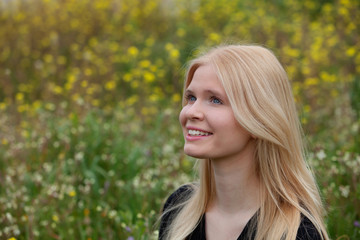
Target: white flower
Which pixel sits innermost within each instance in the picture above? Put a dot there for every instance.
(345, 190)
(321, 154)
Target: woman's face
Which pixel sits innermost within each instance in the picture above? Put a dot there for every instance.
(209, 126)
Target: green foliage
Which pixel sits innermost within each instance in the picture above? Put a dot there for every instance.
(90, 91)
(92, 177)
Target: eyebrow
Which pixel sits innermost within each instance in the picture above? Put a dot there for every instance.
(212, 92)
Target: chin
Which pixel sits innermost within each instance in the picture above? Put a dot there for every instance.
(195, 154)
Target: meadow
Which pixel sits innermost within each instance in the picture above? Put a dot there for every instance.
(90, 91)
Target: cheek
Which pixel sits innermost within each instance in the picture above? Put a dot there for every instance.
(182, 118)
(228, 124)
(223, 120)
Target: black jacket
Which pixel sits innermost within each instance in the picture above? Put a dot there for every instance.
(306, 231)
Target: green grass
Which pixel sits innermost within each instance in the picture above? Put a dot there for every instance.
(99, 177)
(107, 176)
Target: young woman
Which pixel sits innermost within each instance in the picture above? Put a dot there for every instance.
(239, 119)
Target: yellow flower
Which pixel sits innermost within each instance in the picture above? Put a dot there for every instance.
(70, 81)
(153, 68)
(149, 77)
(305, 70)
(310, 4)
(304, 120)
(311, 81)
(145, 63)
(110, 85)
(61, 60)
(75, 97)
(350, 28)
(176, 97)
(90, 90)
(169, 46)
(12, 238)
(25, 134)
(131, 100)
(114, 46)
(343, 11)
(214, 37)
(345, 2)
(327, 77)
(180, 32)
(186, 163)
(24, 124)
(127, 77)
(307, 108)
(292, 52)
(19, 97)
(88, 72)
(55, 218)
(58, 90)
(24, 87)
(101, 4)
(154, 98)
(174, 53)
(72, 193)
(95, 102)
(327, 7)
(135, 84)
(75, 23)
(350, 51)
(144, 111)
(4, 141)
(48, 58)
(84, 83)
(50, 106)
(149, 42)
(36, 105)
(22, 108)
(20, 16)
(2, 106)
(133, 51)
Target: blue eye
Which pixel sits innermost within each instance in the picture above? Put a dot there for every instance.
(190, 98)
(216, 100)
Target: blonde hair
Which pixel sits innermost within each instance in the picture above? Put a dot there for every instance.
(261, 98)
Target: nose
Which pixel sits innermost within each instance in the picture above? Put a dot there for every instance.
(195, 111)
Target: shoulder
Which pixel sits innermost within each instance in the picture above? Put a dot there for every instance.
(307, 230)
(173, 205)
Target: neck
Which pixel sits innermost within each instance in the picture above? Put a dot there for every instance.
(237, 185)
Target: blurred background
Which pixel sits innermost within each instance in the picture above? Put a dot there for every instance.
(90, 91)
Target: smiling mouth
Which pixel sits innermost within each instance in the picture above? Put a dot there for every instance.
(198, 133)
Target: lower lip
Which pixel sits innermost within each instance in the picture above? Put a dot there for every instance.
(194, 138)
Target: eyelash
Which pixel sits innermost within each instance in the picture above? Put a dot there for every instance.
(189, 96)
(213, 98)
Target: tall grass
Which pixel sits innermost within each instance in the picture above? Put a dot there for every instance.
(101, 176)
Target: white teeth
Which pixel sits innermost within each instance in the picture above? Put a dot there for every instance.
(198, 133)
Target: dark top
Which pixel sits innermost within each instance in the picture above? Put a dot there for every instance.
(306, 231)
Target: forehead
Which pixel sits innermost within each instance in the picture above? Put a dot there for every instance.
(205, 77)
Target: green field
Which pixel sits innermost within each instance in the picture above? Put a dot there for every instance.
(90, 91)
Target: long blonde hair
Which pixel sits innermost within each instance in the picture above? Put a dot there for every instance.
(261, 98)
